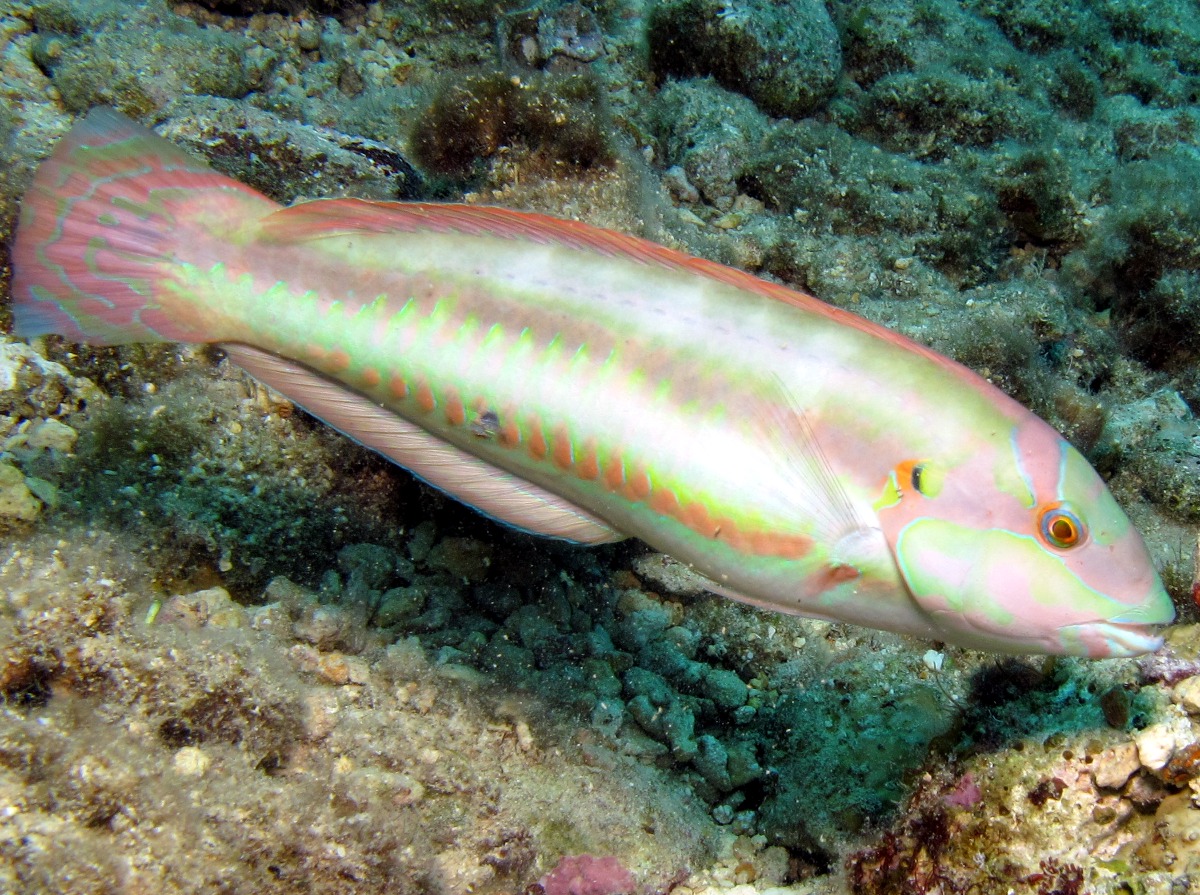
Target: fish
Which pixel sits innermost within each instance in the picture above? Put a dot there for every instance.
(588, 385)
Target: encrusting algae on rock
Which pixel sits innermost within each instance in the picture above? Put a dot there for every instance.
(446, 705)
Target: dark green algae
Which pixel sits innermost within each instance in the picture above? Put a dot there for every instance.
(1010, 182)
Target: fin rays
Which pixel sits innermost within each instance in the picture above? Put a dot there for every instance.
(812, 483)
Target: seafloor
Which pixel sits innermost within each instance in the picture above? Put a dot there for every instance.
(242, 655)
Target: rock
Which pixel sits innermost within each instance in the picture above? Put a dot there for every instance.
(725, 688)
(212, 606)
(335, 668)
(1113, 767)
(665, 658)
(366, 567)
(1146, 793)
(464, 558)
(320, 715)
(1158, 742)
(190, 761)
(601, 679)
(16, 500)
(1187, 695)
(673, 725)
(712, 762)
(53, 435)
(322, 626)
(706, 134)
(32, 386)
(293, 597)
(340, 669)
(785, 57)
(400, 605)
(640, 682)
(672, 576)
(679, 187)
(742, 765)
(608, 714)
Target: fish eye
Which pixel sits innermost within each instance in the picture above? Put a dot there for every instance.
(924, 476)
(1060, 527)
(917, 472)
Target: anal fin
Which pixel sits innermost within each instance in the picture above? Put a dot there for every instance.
(477, 483)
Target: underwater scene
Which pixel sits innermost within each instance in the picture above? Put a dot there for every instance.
(244, 650)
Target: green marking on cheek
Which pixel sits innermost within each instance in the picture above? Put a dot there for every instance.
(1093, 501)
(890, 496)
(975, 572)
(1010, 478)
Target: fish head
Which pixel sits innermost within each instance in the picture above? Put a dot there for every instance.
(1018, 546)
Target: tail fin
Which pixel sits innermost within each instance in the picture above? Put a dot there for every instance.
(99, 232)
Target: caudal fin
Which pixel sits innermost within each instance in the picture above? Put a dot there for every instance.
(97, 246)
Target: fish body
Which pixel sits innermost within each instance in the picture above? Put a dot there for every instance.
(583, 384)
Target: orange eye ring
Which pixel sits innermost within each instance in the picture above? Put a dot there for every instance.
(1060, 527)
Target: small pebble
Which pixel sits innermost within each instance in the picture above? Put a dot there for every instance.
(53, 435)
(320, 714)
(334, 668)
(524, 736)
(308, 38)
(190, 761)
(16, 500)
(1187, 695)
(1158, 742)
(1113, 767)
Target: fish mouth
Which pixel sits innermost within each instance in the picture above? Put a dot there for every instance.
(1115, 640)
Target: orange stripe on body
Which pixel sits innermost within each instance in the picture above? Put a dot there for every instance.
(397, 387)
(425, 399)
(587, 466)
(769, 543)
(537, 439)
(337, 361)
(456, 413)
(637, 484)
(695, 516)
(729, 532)
(510, 432)
(614, 472)
(664, 502)
(831, 576)
(563, 453)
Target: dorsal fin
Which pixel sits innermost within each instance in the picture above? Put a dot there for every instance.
(475, 482)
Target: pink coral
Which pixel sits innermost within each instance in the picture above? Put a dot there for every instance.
(588, 875)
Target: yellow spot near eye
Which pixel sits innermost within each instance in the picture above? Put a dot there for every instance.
(922, 477)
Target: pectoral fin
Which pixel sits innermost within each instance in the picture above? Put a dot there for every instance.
(810, 484)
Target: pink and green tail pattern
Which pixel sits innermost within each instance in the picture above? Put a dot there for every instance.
(99, 231)
(589, 385)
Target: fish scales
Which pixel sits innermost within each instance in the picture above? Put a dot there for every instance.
(562, 366)
(570, 379)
